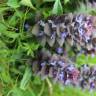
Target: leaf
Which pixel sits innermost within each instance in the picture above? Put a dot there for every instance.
(37, 80)
(25, 79)
(85, 9)
(2, 27)
(13, 20)
(30, 48)
(28, 3)
(48, 0)
(57, 8)
(66, 1)
(2, 44)
(18, 92)
(82, 59)
(2, 9)
(11, 34)
(13, 3)
(60, 90)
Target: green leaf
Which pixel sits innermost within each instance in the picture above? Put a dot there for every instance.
(28, 3)
(26, 78)
(85, 9)
(18, 92)
(57, 8)
(30, 48)
(60, 90)
(37, 80)
(11, 34)
(13, 20)
(3, 28)
(13, 3)
(66, 1)
(5, 76)
(82, 59)
(48, 0)
(2, 9)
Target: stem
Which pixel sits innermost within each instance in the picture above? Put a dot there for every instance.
(50, 86)
(42, 89)
(24, 18)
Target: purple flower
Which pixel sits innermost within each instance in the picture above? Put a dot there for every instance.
(92, 85)
(71, 67)
(53, 34)
(63, 34)
(92, 55)
(43, 63)
(26, 26)
(81, 31)
(59, 50)
(42, 23)
(53, 62)
(86, 38)
(68, 82)
(61, 76)
(40, 34)
(79, 18)
(61, 63)
(83, 84)
(86, 66)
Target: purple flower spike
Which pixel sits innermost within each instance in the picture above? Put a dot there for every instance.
(59, 50)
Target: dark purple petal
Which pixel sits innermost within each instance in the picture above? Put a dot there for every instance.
(59, 50)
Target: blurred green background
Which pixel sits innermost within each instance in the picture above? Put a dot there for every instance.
(17, 46)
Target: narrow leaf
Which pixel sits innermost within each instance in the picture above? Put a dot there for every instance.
(25, 79)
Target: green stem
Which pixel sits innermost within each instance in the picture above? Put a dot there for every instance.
(50, 86)
(42, 89)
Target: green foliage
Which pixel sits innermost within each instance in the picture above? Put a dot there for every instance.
(66, 1)
(82, 59)
(30, 48)
(57, 8)
(13, 4)
(17, 46)
(26, 78)
(27, 3)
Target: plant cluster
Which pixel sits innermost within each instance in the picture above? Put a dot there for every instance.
(22, 57)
